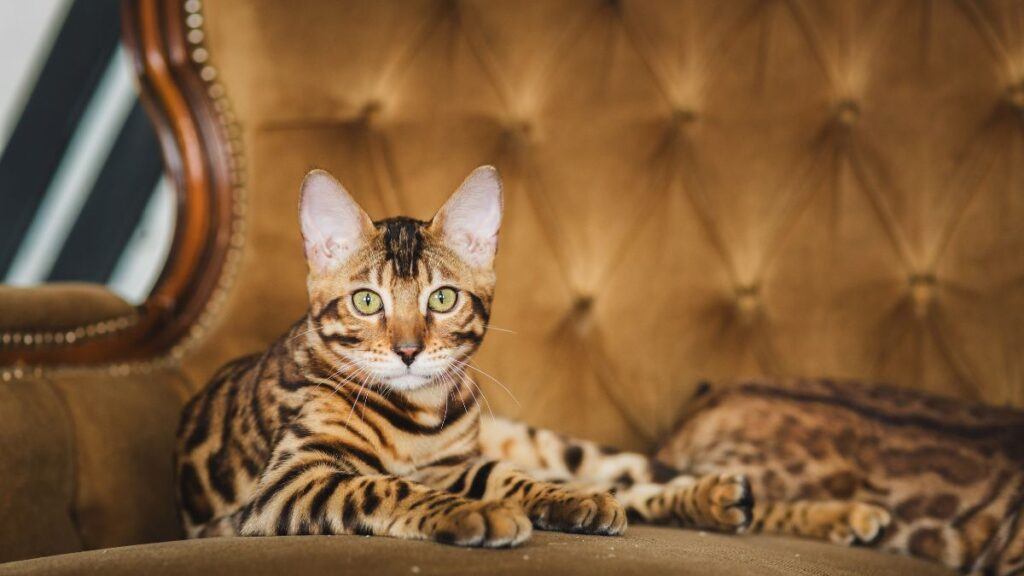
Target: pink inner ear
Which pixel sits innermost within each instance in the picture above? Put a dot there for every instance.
(332, 223)
(474, 246)
(472, 216)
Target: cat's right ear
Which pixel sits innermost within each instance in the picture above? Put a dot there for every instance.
(333, 225)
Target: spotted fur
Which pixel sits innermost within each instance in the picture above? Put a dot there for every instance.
(872, 465)
(356, 423)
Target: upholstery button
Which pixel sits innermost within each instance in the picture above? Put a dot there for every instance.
(519, 128)
(1015, 96)
(371, 110)
(922, 293)
(581, 313)
(683, 117)
(847, 112)
(747, 301)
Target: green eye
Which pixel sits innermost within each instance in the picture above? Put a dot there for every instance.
(367, 302)
(442, 299)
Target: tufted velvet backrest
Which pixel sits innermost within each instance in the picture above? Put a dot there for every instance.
(693, 189)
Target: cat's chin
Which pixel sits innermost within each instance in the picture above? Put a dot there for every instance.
(408, 382)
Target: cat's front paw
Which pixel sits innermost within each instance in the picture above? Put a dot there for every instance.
(490, 524)
(861, 524)
(721, 502)
(579, 512)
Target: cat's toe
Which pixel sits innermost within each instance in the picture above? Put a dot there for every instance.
(488, 524)
(731, 502)
(581, 513)
(868, 523)
(610, 518)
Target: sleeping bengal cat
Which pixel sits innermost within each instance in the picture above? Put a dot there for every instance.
(361, 419)
(951, 472)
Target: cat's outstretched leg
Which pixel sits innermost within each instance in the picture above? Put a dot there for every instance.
(838, 521)
(550, 506)
(713, 502)
(649, 490)
(320, 484)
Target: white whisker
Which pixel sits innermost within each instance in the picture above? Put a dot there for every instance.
(473, 388)
(467, 364)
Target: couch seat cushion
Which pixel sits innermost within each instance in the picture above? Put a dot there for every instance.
(643, 551)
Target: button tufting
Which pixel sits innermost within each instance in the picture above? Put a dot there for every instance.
(519, 128)
(1015, 96)
(847, 112)
(747, 301)
(581, 313)
(371, 111)
(683, 117)
(922, 293)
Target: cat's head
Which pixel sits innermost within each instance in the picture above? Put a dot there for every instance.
(401, 303)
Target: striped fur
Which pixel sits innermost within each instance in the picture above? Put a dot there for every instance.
(367, 423)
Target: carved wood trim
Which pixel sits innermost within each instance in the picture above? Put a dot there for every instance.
(202, 156)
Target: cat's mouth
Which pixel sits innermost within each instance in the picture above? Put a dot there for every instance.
(416, 376)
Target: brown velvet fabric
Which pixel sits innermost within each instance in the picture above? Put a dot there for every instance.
(693, 189)
(58, 306)
(37, 482)
(87, 462)
(642, 551)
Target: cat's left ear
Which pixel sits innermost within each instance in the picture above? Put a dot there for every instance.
(470, 219)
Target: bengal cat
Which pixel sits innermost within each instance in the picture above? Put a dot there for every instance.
(952, 473)
(361, 419)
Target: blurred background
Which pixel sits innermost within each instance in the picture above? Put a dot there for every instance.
(76, 149)
(694, 190)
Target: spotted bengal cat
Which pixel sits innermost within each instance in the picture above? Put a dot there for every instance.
(952, 473)
(362, 419)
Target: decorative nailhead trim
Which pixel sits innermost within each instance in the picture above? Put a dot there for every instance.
(200, 56)
(41, 338)
(233, 135)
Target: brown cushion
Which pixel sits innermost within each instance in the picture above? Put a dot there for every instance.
(61, 306)
(124, 431)
(86, 461)
(37, 470)
(642, 551)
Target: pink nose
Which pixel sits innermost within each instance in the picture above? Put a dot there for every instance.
(408, 352)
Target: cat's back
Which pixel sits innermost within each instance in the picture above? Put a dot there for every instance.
(801, 436)
(951, 473)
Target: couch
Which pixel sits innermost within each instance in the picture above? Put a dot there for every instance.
(694, 190)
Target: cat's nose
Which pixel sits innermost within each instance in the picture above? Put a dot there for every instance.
(408, 351)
